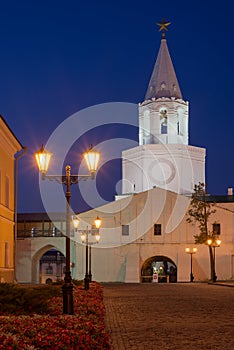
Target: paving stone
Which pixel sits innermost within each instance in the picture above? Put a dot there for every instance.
(170, 316)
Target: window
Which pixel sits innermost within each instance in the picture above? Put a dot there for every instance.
(125, 230)
(216, 229)
(157, 229)
(7, 192)
(54, 231)
(7, 254)
(49, 270)
(33, 231)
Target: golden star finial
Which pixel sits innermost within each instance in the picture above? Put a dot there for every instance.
(163, 27)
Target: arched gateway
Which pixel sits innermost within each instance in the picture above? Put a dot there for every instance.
(160, 268)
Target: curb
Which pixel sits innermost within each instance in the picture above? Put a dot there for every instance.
(222, 284)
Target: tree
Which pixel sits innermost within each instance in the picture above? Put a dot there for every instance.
(199, 212)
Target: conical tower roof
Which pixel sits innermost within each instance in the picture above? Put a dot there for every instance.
(163, 82)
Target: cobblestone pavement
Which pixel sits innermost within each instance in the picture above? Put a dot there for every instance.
(170, 316)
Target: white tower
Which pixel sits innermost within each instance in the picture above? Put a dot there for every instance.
(163, 157)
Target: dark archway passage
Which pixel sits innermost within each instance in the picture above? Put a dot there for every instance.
(52, 265)
(162, 267)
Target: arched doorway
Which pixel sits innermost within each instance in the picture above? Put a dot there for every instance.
(36, 261)
(160, 266)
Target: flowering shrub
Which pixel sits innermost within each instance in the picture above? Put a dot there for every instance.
(20, 300)
(85, 330)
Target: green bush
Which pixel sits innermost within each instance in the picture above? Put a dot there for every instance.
(18, 300)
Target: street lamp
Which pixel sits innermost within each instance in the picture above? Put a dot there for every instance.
(85, 239)
(75, 221)
(43, 158)
(215, 243)
(191, 252)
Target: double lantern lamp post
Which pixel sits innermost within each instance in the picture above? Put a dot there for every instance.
(191, 252)
(43, 158)
(88, 244)
(215, 243)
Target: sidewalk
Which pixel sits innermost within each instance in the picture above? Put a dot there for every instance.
(188, 316)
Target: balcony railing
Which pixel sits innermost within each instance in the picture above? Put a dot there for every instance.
(34, 233)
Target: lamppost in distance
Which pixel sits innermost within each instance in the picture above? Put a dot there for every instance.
(191, 252)
(215, 243)
(88, 244)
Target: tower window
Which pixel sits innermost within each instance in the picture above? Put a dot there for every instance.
(178, 128)
(163, 86)
(163, 120)
(164, 128)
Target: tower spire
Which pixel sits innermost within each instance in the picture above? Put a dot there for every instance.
(163, 82)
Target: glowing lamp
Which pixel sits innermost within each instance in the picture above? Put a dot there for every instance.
(92, 158)
(98, 222)
(97, 236)
(75, 221)
(43, 160)
(83, 236)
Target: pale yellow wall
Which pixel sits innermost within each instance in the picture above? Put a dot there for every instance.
(8, 147)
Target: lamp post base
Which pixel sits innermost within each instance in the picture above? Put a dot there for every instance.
(68, 307)
(191, 277)
(214, 277)
(86, 282)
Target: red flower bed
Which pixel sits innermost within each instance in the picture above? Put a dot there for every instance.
(84, 330)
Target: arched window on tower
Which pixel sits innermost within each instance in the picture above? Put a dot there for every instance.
(179, 122)
(178, 128)
(163, 86)
(163, 120)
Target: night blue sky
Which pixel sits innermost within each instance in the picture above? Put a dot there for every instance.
(59, 57)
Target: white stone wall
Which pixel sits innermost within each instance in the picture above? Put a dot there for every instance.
(173, 167)
(28, 254)
(122, 260)
(119, 258)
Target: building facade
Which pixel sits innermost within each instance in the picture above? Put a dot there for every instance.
(40, 248)
(141, 234)
(9, 147)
